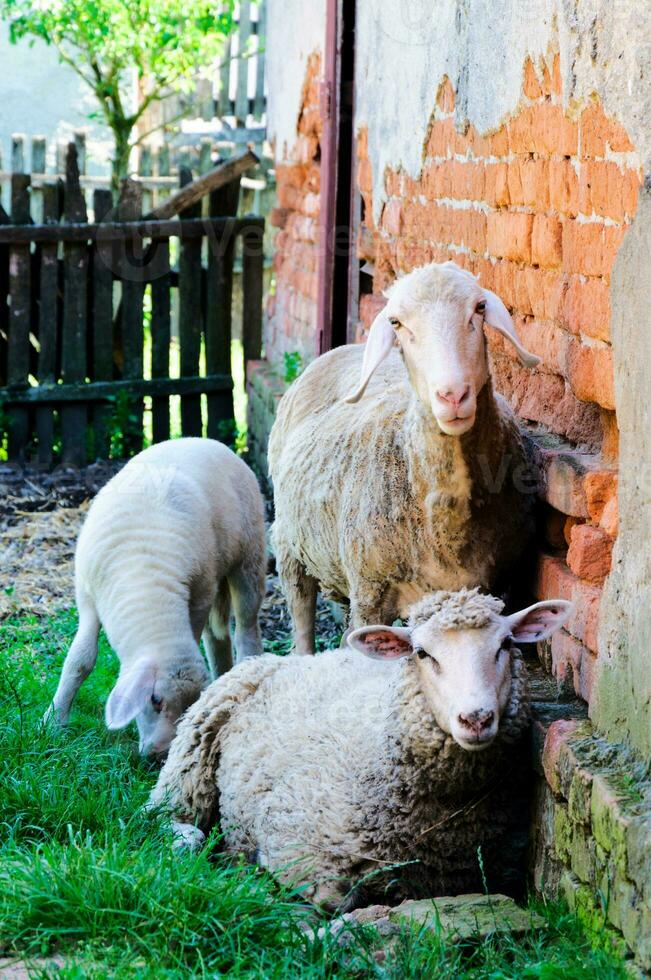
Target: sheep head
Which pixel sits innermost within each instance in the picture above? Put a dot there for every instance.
(437, 314)
(155, 695)
(462, 649)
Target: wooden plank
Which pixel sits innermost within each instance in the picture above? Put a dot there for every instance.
(48, 317)
(145, 169)
(102, 325)
(259, 101)
(73, 359)
(129, 209)
(224, 101)
(242, 89)
(19, 317)
(252, 290)
(194, 190)
(190, 321)
(18, 153)
(96, 391)
(160, 341)
(219, 302)
(4, 295)
(121, 231)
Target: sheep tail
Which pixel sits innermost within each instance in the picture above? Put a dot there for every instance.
(187, 784)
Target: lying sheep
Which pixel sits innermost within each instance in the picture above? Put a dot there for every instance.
(166, 547)
(329, 769)
(421, 484)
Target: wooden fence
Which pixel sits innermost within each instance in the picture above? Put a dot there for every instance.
(74, 300)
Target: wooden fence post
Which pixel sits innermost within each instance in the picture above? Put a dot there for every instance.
(48, 323)
(130, 209)
(219, 307)
(190, 327)
(75, 308)
(102, 331)
(19, 316)
(252, 289)
(4, 307)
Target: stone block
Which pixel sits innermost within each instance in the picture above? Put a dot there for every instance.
(466, 916)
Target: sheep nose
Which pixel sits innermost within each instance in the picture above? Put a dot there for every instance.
(454, 395)
(477, 721)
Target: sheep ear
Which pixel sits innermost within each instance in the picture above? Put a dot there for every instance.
(539, 621)
(130, 695)
(378, 346)
(498, 317)
(382, 642)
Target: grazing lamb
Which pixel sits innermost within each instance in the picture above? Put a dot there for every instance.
(423, 483)
(166, 547)
(328, 769)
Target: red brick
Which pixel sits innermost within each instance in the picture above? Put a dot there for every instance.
(370, 304)
(445, 97)
(570, 522)
(586, 308)
(515, 183)
(610, 518)
(554, 524)
(509, 235)
(590, 373)
(590, 553)
(548, 399)
(563, 187)
(600, 487)
(598, 132)
(278, 217)
(496, 187)
(531, 85)
(556, 581)
(394, 184)
(610, 441)
(544, 129)
(606, 190)
(392, 216)
(534, 177)
(590, 248)
(557, 78)
(441, 138)
(547, 242)
(499, 142)
(365, 175)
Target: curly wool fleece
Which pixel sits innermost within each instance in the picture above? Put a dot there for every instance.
(332, 769)
(465, 609)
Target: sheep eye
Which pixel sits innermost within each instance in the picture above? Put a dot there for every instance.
(395, 322)
(421, 654)
(480, 308)
(157, 703)
(507, 643)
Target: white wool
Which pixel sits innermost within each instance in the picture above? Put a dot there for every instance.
(325, 769)
(167, 544)
(375, 503)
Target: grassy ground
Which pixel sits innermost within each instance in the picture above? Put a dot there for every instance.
(85, 875)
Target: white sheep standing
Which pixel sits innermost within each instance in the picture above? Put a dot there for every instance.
(168, 544)
(329, 769)
(421, 484)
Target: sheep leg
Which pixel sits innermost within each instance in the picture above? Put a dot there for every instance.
(216, 635)
(300, 592)
(247, 592)
(79, 662)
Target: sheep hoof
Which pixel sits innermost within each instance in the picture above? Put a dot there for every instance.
(187, 837)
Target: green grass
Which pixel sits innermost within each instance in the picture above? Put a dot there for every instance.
(86, 875)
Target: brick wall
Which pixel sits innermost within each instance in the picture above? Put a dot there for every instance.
(291, 309)
(538, 210)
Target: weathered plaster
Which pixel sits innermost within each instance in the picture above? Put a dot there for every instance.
(405, 47)
(622, 700)
(295, 28)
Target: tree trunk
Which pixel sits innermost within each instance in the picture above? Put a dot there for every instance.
(120, 162)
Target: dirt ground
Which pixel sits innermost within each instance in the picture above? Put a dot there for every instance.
(40, 517)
